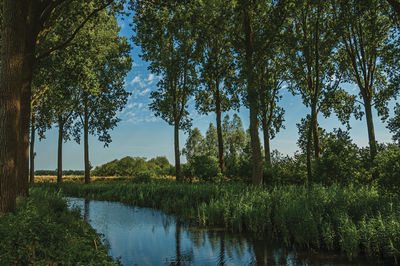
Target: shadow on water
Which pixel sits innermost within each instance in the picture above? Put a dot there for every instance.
(145, 236)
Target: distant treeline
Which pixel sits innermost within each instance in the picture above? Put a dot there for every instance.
(54, 172)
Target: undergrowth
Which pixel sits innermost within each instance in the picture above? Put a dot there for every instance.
(42, 231)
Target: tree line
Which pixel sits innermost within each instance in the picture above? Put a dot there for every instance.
(219, 51)
(230, 53)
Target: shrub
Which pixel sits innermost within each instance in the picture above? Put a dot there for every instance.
(144, 177)
(340, 161)
(387, 164)
(203, 167)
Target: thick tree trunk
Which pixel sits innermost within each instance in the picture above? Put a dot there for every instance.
(267, 149)
(32, 150)
(28, 65)
(12, 54)
(179, 177)
(257, 173)
(219, 128)
(59, 153)
(86, 149)
(23, 152)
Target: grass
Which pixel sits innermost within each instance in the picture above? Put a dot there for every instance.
(352, 220)
(42, 231)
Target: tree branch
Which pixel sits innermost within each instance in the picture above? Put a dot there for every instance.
(67, 41)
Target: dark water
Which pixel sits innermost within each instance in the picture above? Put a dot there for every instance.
(144, 236)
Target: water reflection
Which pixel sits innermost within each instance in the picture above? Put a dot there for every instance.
(144, 236)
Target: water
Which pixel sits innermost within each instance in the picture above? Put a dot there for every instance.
(145, 236)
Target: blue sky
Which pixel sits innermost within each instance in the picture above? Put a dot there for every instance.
(142, 134)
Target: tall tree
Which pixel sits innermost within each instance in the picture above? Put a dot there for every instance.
(102, 61)
(363, 33)
(257, 24)
(313, 69)
(167, 38)
(217, 64)
(271, 73)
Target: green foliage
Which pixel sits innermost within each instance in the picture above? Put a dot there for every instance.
(132, 166)
(43, 231)
(394, 124)
(387, 164)
(203, 167)
(354, 219)
(340, 161)
(194, 145)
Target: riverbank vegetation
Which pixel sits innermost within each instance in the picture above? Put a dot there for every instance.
(350, 219)
(42, 231)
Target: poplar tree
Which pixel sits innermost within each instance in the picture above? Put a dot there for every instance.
(166, 35)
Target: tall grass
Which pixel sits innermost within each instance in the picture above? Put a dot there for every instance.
(42, 231)
(351, 219)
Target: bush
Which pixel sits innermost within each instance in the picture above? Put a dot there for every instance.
(144, 177)
(341, 161)
(204, 167)
(387, 164)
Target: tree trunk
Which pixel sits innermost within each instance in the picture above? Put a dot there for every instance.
(28, 65)
(315, 131)
(267, 149)
(12, 54)
(257, 173)
(59, 153)
(219, 129)
(371, 133)
(179, 177)
(308, 151)
(32, 150)
(86, 148)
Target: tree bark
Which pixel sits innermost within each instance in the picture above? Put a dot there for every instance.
(219, 128)
(308, 151)
(86, 148)
(267, 149)
(315, 132)
(370, 127)
(59, 153)
(257, 173)
(179, 177)
(28, 66)
(13, 42)
(32, 149)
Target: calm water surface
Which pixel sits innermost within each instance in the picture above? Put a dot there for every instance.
(145, 236)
